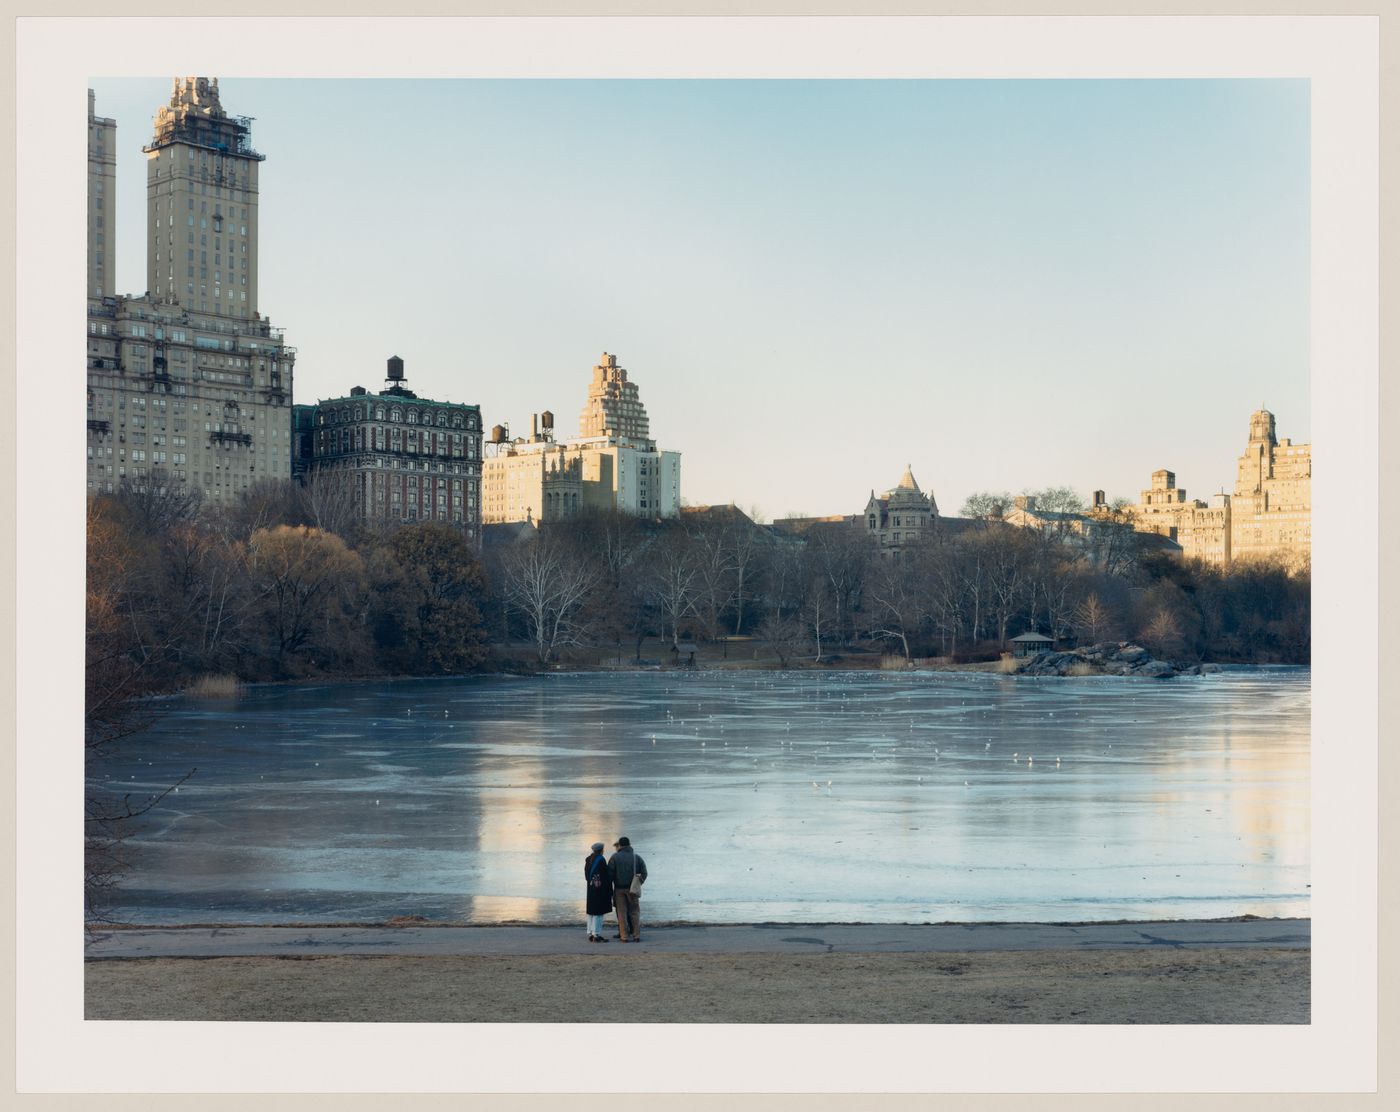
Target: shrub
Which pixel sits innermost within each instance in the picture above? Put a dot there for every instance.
(215, 686)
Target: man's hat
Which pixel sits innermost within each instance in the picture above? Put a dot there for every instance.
(621, 842)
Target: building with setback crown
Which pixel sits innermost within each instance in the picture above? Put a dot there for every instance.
(189, 387)
(1269, 514)
(397, 457)
(1271, 509)
(613, 464)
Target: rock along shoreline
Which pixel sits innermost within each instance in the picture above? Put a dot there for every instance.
(1110, 658)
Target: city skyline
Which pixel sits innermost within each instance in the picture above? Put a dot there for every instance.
(836, 268)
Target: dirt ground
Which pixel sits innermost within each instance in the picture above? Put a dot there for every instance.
(1052, 986)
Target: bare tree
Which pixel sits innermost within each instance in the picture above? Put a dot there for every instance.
(843, 555)
(786, 636)
(986, 505)
(549, 587)
(817, 612)
(672, 580)
(1063, 500)
(893, 602)
(1094, 620)
(149, 508)
(712, 559)
(330, 501)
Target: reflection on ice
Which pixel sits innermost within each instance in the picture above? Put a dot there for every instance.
(753, 796)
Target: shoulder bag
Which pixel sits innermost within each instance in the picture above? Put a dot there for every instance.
(635, 888)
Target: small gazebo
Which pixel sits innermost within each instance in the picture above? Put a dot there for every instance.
(1028, 644)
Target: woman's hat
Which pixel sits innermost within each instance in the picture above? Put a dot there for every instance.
(597, 847)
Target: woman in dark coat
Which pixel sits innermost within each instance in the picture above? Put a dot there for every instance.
(600, 891)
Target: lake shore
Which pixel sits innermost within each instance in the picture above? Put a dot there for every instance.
(1216, 971)
(1053, 986)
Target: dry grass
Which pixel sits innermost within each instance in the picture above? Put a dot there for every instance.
(1082, 669)
(215, 686)
(1007, 665)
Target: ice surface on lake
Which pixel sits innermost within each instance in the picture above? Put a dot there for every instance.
(784, 797)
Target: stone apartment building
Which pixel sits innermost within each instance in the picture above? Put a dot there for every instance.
(1201, 529)
(402, 458)
(1271, 510)
(1269, 514)
(613, 464)
(189, 387)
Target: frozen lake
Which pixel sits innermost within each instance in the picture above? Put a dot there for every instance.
(785, 797)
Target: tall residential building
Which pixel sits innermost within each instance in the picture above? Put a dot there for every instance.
(613, 464)
(1269, 514)
(1271, 511)
(400, 457)
(189, 387)
(202, 204)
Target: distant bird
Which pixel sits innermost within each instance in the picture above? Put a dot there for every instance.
(966, 784)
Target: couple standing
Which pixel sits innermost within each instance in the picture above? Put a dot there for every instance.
(615, 883)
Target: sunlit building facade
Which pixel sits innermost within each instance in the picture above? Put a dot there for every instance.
(613, 464)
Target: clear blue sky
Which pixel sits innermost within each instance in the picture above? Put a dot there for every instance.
(1008, 284)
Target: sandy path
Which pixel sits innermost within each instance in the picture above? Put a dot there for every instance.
(1202, 985)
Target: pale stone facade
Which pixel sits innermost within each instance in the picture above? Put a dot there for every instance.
(1271, 511)
(612, 465)
(202, 204)
(904, 515)
(1202, 530)
(1269, 514)
(405, 458)
(614, 407)
(186, 390)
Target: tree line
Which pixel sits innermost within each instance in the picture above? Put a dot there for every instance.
(284, 582)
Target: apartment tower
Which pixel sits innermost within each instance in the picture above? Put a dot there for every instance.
(189, 387)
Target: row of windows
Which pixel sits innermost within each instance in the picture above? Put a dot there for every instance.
(396, 414)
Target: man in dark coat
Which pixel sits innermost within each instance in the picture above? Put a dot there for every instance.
(625, 864)
(598, 876)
